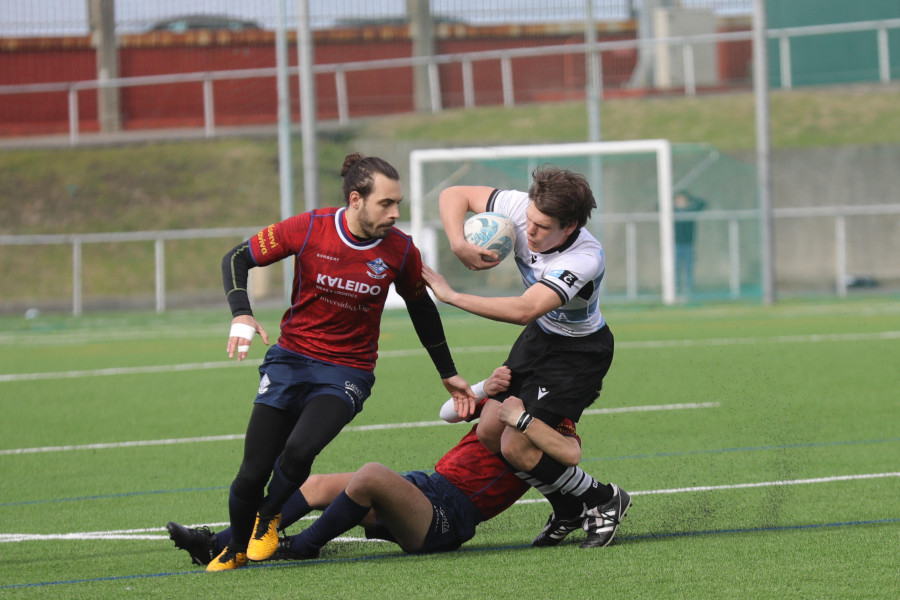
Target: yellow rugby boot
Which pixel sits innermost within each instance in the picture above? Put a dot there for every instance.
(227, 560)
(264, 541)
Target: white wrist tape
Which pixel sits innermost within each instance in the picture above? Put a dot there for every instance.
(242, 330)
(448, 410)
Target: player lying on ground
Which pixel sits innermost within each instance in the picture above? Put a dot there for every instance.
(470, 485)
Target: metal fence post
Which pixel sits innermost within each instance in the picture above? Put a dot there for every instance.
(631, 272)
(690, 83)
(209, 107)
(73, 116)
(784, 48)
(884, 56)
(434, 84)
(160, 254)
(507, 78)
(340, 86)
(840, 255)
(734, 254)
(76, 276)
(468, 85)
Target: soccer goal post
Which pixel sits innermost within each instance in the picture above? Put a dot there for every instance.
(510, 167)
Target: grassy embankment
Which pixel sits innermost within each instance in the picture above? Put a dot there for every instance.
(234, 181)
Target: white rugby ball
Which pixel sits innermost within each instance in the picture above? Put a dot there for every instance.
(492, 231)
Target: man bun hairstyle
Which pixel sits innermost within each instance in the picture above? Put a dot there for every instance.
(359, 171)
(562, 194)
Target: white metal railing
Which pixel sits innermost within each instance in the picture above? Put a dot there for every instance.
(840, 215)
(505, 57)
(77, 240)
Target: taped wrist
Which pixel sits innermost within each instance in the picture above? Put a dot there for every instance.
(524, 421)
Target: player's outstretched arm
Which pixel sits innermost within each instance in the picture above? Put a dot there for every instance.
(498, 382)
(537, 301)
(464, 399)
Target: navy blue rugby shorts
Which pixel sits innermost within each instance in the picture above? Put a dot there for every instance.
(455, 516)
(287, 380)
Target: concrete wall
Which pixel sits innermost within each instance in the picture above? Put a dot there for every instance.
(838, 176)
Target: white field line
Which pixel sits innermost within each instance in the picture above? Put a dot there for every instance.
(740, 486)
(649, 344)
(106, 334)
(778, 339)
(385, 426)
(149, 534)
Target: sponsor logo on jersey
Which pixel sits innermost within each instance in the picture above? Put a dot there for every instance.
(266, 239)
(264, 384)
(326, 257)
(533, 259)
(348, 285)
(377, 268)
(567, 277)
(542, 391)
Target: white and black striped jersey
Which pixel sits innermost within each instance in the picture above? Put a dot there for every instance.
(574, 270)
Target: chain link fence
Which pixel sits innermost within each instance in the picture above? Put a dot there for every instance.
(70, 17)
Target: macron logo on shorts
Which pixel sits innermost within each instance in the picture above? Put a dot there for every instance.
(263, 384)
(542, 391)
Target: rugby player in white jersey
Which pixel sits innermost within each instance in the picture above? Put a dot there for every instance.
(560, 359)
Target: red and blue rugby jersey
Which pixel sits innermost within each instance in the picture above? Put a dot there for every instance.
(482, 476)
(340, 284)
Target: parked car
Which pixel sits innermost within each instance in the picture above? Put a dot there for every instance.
(194, 22)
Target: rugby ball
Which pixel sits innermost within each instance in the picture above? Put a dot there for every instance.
(492, 231)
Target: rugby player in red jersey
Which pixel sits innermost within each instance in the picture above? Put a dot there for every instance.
(420, 512)
(316, 378)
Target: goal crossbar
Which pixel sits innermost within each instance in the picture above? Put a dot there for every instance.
(662, 149)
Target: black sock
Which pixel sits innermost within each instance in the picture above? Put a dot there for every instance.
(340, 516)
(243, 516)
(294, 509)
(280, 489)
(222, 539)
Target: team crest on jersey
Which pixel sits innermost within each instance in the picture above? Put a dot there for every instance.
(377, 268)
(567, 277)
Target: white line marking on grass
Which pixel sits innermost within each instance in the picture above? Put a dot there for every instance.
(777, 339)
(652, 407)
(380, 427)
(739, 486)
(209, 438)
(201, 366)
(145, 534)
(782, 339)
(106, 335)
